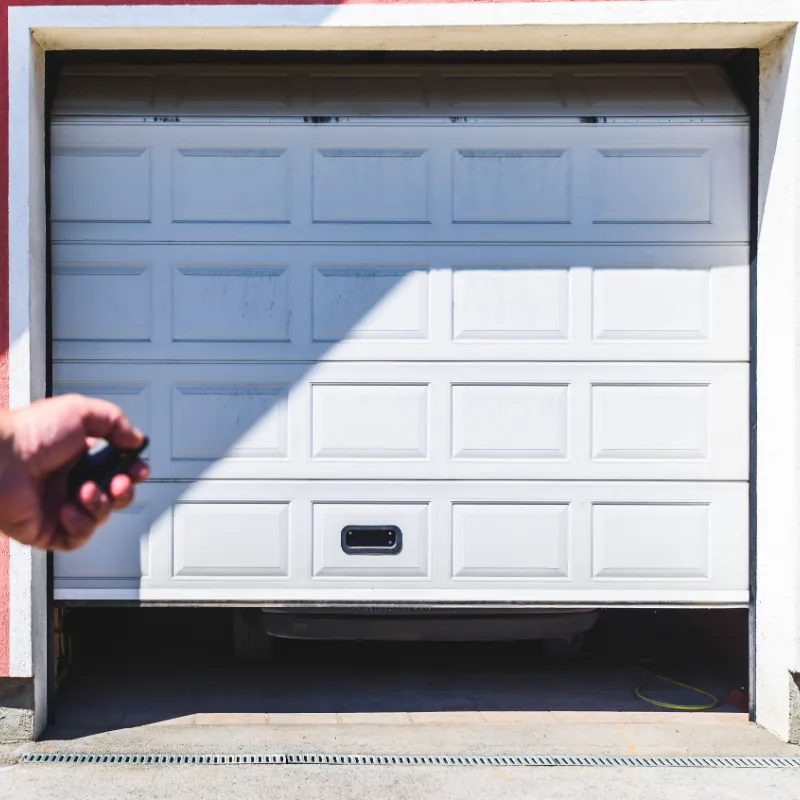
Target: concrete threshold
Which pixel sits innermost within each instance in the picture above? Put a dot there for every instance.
(460, 718)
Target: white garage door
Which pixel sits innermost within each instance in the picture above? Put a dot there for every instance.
(490, 325)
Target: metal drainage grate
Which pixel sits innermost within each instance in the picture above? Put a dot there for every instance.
(78, 758)
(708, 762)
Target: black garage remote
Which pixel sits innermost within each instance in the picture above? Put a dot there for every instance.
(101, 464)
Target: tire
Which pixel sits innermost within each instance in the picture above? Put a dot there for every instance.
(251, 643)
(567, 648)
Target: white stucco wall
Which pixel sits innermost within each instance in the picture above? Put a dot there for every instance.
(778, 550)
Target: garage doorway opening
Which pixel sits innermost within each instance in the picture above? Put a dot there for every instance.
(151, 354)
(133, 667)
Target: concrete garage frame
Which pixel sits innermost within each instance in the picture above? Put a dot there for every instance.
(654, 25)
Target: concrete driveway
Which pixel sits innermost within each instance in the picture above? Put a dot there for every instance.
(397, 783)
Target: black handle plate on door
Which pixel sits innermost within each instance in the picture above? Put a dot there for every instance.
(372, 540)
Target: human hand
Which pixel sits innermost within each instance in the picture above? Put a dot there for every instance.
(38, 447)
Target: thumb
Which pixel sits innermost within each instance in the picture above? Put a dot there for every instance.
(104, 420)
(51, 433)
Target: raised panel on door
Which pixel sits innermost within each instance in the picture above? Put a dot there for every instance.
(103, 182)
(218, 184)
(212, 420)
(512, 185)
(237, 303)
(231, 541)
(439, 420)
(511, 541)
(370, 185)
(369, 421)
(639, 541)
(659, 185)
(119, 553)
(646, 422)
(101, 302)
(510, 421)
(506, 302)
(378, 300)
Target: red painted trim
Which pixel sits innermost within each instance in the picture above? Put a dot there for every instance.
(280, 2)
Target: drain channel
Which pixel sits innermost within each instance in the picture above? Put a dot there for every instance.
(707, 762)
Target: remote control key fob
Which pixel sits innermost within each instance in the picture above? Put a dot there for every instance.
(101, 464)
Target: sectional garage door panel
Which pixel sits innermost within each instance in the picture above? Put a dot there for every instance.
(253, 91)
(404, 182)
(432, 421)
(545, 542)
(381, 302)
(521, 340)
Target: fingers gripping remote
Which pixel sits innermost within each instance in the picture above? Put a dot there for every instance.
(101, 464)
